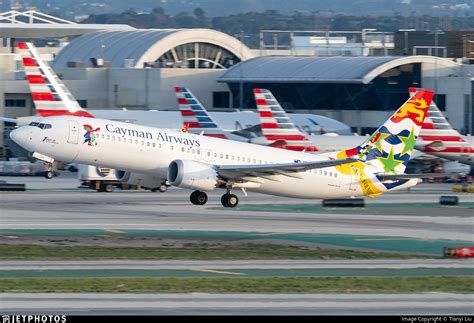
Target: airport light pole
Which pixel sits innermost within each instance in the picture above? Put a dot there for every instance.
(406, 31)
(436, 34)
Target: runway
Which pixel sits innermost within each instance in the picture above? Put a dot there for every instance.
(57, 213)
(235, 264)
(66, 207)
(228, 304)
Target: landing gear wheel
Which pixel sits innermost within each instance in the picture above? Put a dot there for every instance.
(229, 200)
(198, 198)
(49, 174)
(108, 188)
(163, 188)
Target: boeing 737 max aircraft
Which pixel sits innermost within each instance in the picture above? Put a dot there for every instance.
(204, 163)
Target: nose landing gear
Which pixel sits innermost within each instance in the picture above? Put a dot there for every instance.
(49, 173)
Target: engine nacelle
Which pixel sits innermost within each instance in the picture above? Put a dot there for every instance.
(144, 180)
(192, 175)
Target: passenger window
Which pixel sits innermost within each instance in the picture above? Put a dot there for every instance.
(102, 136)
(182, 149)
(193, 151)
(238, 158)
(154, 145)
(209, 153)
(171, 147)
(148, 144)
(215, 155)
(248, 160)
(335, 175)
(254, 161)
(198, 152)
(222, 156)
(226, 156)
(159, 146)
(325, 173)
(143, 143)
(136, 142)
(187, 150)
(108, 137)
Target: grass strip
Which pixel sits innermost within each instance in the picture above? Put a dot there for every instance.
(243, 285)
(191, 252)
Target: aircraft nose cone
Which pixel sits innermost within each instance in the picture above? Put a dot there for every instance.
(14, 135)
(19, 136)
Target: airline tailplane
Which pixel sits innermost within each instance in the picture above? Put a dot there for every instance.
(390, 147)
(195, 117)
(277, 127)
(50, 95)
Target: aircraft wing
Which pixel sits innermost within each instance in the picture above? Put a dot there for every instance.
(289, 169)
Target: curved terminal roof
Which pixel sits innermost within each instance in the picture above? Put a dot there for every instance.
(337, 69)
(142, 46)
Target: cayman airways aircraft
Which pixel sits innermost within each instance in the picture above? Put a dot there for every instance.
(204, 163)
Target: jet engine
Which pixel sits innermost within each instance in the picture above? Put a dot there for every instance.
(192, 175)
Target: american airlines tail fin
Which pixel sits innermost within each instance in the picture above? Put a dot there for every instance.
(437, 134)
(50, 95)
(390, 147)
(277, 126)
(196, 119)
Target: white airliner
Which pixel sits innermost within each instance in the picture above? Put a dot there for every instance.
(204, 163)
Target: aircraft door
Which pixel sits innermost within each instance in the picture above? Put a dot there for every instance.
(208, 155)
(73, 136)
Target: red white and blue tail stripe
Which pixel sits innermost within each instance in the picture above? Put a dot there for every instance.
(437, 135)
(277, 126)
(50, 95)
(196, 119)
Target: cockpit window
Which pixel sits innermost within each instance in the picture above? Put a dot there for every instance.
(41, 125)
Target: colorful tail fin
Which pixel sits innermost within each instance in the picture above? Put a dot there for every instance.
(50, 95)
(196, 119)
(390, 147)
(277, 126)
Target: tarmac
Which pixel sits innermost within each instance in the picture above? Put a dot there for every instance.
(57, 212)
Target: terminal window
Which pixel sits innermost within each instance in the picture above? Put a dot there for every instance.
(15, 103)
(221, 99)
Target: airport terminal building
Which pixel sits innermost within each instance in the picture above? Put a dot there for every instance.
(120, 67)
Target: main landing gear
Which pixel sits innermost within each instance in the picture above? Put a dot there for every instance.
(198, 198)
(227, 200)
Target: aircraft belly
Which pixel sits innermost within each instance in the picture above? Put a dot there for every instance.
(310, 187)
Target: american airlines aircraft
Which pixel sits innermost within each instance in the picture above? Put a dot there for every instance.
(438, 138)
(203, 163)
